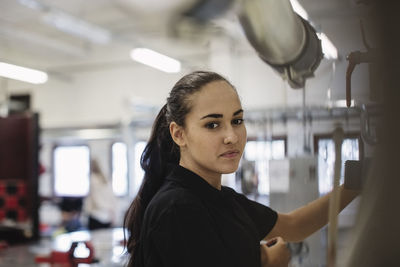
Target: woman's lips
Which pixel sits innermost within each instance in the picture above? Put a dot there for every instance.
(230, 154)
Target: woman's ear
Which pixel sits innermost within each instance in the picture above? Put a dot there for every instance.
(177, 134)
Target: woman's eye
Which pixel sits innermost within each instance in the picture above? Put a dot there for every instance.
(211, 125)
(237, 121)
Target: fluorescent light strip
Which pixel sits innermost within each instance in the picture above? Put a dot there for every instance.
(22, 74)
(68, 23)
(342, 103)
(328, 48)
(156, 60)
(299, 9)
(78, 27)
(32, 4)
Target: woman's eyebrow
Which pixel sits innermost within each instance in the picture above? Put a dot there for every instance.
(216, 116)
(237, 112)
(213, 115)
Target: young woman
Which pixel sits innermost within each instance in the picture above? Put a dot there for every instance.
(182, 216)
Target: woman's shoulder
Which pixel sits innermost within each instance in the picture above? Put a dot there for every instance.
(228, 191)
(172, 194)
(172, 201)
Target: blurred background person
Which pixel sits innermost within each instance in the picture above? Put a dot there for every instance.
(100, 205)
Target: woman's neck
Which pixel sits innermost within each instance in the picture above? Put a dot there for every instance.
(213, 178)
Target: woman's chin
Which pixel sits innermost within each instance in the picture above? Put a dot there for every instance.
(229, 169)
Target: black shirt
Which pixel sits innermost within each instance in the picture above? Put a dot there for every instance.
(189, 223)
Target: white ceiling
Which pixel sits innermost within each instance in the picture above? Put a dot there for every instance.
(25, 33)
(132, 23)
(26, 39)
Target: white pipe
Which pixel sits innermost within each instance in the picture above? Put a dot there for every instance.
(274, 29)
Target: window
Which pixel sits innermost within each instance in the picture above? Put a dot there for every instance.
(259, 153)
(326, 160)
(71, 170)
(119, 166)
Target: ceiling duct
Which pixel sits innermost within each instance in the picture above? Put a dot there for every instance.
(283, 39)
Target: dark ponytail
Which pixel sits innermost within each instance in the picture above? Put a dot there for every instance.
(161, 150)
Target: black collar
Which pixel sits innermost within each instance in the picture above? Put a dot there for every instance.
(196, 184)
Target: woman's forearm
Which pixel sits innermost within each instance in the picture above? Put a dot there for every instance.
(304, 221)
(313, 216)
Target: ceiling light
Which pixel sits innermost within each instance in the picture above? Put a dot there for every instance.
(342, 103)
(78, 27)
(156, 60)
(299, 9)
(68, 23)
(22, 74)
(328, 48)
(32, 4)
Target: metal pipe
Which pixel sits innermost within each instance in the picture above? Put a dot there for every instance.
(274, 29)
(281, 38)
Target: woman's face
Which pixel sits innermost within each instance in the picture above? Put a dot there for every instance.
(214, 135)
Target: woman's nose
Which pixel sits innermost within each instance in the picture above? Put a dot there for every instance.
(230, 136)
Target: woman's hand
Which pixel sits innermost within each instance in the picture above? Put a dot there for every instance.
(274, 253)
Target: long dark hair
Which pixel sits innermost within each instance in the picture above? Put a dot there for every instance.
(162, 150)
